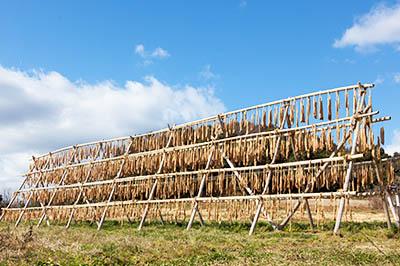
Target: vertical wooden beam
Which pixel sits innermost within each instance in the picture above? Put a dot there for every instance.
(81, 191)
(323, 167)
(201, 187)
(153, 189)
(39, 178)
(346, 184)
(266, 187)
(386, 211)
(64, 175)
(392, 209)
(114, 184)
(309, 214)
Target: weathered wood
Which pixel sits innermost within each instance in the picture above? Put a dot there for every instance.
(386, 211)
(213, 199)
(81, 191)
(216, 117)
(31, 194)
(114, 185)
(221, 141)
(201, 187)
(208, 171)
(309, 214)
(153, 189)
(392, 209)
(260, 203)
(339, 216)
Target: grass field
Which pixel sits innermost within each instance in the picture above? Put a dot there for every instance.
(215, 244)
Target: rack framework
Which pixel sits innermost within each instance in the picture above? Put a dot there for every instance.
(239, 165)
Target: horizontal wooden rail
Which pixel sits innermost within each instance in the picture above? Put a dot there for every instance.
(209, 199)
(240, 169)
(270, 133)
(216, 117)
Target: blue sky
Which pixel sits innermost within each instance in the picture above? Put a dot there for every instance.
(225, 54)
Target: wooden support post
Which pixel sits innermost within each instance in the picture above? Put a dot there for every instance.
(346, 184)
(266, 187)
(114, 185)
(323, 167)
(31, 193)
(15, 195)
(309, 214)
(64, 175)
(201, 187)
(392, 209)
(153, 189)
(81, 191)
(386, 211)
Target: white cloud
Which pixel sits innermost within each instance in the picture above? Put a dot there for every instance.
(394, 145)
(207, 74)
(40, 112)
(379, 80)
(158, 53)
(396, 77)
(139, 49)
(381, 25)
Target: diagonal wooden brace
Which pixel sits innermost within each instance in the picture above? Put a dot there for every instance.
(114, 185)
(153, 189)
(202, 183)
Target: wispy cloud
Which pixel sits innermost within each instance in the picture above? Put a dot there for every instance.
(160, 53)
(394, 145)
(396, 77)
(207, 74)
(380, 26)
(148, 56)
(243, 3)
(40, 112)
(379, 80)
(139, 49)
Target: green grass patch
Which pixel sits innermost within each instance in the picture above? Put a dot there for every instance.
(214, 244)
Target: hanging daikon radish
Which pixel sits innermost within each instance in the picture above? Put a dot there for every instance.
(382, 135)
(315, 107)
(329, 107)
(270, 118)
(264, 119)
(275, 123)
(321, 108)
(308, 110)
(354, 101)
(302, 114)
(337, 103)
